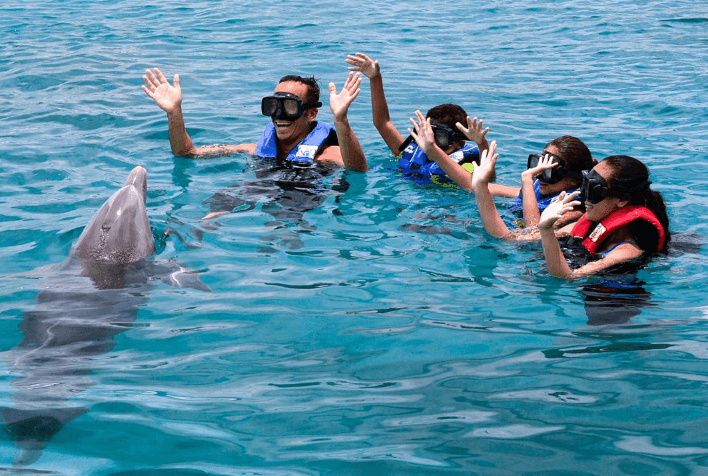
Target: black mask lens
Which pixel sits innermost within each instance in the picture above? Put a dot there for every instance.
(285, 106)
(533, 160)
(549, 176)
(442, 139)
(291, 107)
(594, 188)
(444, 136)
(269, 105)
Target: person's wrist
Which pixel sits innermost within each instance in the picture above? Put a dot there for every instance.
(481, 180)
(433, 151)
(174, 111)
(546, 226)
(341, 120)
(526, 177)
(479, 186)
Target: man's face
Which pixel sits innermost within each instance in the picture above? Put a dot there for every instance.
(294, 131)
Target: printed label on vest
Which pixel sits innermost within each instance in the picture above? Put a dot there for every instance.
(457, 156)
(308, 151)
(597, 232)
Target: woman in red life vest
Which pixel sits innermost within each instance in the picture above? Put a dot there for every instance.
(624, 220)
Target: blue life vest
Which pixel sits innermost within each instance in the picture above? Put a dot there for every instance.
(515, 213)
(305, 151)
(414, 160)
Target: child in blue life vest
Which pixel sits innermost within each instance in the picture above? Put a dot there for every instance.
(448, 132)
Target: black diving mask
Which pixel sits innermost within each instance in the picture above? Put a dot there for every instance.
(594, 188)
(445, 136)
(285, 106)
(554, 175)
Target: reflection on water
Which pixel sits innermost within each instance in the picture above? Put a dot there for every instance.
(614, 302)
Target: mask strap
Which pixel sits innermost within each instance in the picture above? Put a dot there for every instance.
(405, 144)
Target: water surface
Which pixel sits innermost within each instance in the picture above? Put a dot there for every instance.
(370, 327)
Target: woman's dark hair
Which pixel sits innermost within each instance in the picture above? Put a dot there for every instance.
(574, 153)
(448, 114)
(313, 88)
(630, 180)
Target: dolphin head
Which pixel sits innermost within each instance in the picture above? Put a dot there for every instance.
(120, 232)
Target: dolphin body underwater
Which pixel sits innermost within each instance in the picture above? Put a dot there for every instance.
(83, 304)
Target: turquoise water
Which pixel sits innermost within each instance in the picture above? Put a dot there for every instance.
(373, 327)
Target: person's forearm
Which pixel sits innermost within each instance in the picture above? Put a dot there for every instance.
(180, 141)
(451, 168)
(483, 145)
(379, 106)
(352, 153)
(503, 190)
(493, 223)
(557, 265)
(529, 202)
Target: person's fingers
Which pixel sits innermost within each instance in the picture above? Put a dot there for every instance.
(160, 76)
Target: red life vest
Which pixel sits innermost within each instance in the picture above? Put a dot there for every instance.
(613, 222)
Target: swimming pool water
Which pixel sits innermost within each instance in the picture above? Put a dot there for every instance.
(370, 327)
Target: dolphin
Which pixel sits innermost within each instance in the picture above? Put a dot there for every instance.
(120, 232)
(83, 304)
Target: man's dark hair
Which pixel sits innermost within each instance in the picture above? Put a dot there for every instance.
(448, 114)
(313, 89)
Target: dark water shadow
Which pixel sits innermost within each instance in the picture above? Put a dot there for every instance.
(613, 301)
(285, 191)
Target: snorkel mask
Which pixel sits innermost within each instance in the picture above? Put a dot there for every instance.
(594, 188)
(554, 175)
(445, 136)
(285, 106)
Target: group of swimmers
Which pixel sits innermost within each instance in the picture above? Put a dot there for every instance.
(607, 209)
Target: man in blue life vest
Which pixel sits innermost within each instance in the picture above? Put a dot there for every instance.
(294, 133)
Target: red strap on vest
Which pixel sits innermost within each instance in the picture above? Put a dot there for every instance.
(614, 221)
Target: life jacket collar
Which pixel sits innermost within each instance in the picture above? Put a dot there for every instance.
(594, 237)
(305, 151)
